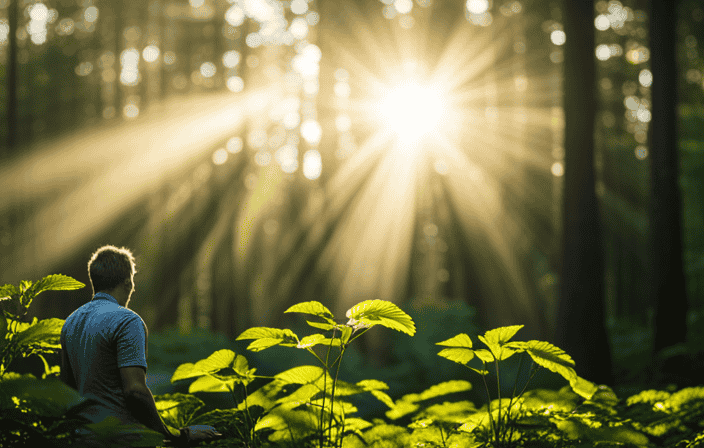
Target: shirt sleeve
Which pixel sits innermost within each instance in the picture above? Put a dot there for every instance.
(132, 343)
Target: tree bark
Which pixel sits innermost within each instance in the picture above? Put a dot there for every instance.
(580, 326)
(667, 276)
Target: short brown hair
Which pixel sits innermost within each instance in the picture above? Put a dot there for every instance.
(109, 266)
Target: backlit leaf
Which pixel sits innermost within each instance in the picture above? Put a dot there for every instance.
(458, 355)
(321, 325)
(585, 389)
(209, 383)
(45, 333)
(496, 339)
(266, 337)
(552, 358)
(384, 398)
(382, 312)
(57, 282)
(301, 375)
(219, 360)
(484, 355)
(445, 388)
(461, 340)
(314, 308)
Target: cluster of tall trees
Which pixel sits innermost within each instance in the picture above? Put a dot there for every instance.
(581, 317)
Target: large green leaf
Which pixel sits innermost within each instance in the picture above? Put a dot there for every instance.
(50, 397)
(461, 340)
(178, 409)
(496, 339)
(584, 388)
(321, 325)
(56, 282)
(445, 388)
(458, 355)
(45, 333)
(212, 384)
(314, 308)
(316, 339)
(301, 375)
(372, 312)
(265, 337)
(219, 360)
(551, 357)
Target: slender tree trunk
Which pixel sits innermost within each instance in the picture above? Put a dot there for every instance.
(580, 326)
(667, 276)
(12, 106)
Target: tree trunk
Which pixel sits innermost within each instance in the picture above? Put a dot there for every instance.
(667, 276)
(580, 326)
(12, 106)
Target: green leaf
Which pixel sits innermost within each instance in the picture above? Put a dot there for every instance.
(6, 291)
(219, 360)
(585, 389)
(50, 397)
(356, 424)
(372, 312)
(301, 375)
(209, 383)
(482, 372)
(619, 435)
(346, 332)
(57, 282)
(384, 398)
(314, 308)
(484, 355)
(458, 355)
(369, 385)
(178, 409)
(445, 388)
(45, 333)
(401, 408)
(461, 340)
(315, 339)
(322, 325)
(497, 338)
(266, 337)
(551, 357)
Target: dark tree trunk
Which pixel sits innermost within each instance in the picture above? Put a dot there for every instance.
(667, 276)
(580, 326)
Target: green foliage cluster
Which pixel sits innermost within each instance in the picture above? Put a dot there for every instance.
(310, 406)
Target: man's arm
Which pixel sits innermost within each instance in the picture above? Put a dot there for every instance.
(66, 374)
(140, 401)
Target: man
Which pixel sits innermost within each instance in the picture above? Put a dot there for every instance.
(104, 350)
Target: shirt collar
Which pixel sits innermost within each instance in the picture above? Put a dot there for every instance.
(104, 295)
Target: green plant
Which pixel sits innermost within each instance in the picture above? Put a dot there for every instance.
(224, 370)
(323, 382)
(34, 338)
(503, 412)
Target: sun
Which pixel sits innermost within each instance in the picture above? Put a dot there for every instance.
(412, 110)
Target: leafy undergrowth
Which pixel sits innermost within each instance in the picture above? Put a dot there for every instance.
(312, 406)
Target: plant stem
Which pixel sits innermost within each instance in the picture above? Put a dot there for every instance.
(499, 432)
(334, 384)
(488, 400)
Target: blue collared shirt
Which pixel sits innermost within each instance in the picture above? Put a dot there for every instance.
(99, 338)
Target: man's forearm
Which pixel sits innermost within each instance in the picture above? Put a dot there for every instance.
(141, 404)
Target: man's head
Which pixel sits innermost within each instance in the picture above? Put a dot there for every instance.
(111, 269)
